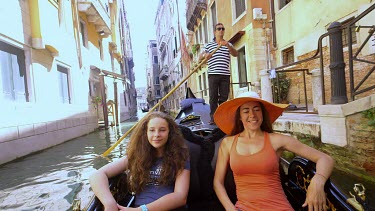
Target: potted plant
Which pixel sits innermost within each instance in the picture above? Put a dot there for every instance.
(96, 100)
(281, 88)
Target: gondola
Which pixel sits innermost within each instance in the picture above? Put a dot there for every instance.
(203, 141)
(144, 109)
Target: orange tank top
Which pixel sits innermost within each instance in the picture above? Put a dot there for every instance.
(257, 179)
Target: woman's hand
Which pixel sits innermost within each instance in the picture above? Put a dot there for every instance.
(315, 196)
(111, 207)
(121, 208)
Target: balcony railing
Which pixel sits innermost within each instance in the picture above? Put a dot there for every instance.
(194, 12)
(97, 14)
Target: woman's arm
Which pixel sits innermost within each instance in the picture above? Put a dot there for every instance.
(176, 199)
(315, 198)
(220, 172)
(99, 182)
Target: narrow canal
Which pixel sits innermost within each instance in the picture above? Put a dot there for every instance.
(53, 178)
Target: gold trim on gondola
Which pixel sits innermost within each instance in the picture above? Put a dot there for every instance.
(302, 175)
(190, 117)
(359, 191)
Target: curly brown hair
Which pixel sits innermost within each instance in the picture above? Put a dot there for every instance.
(265, 126)
(141, 155)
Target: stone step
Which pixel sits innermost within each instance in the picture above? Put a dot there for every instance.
(304, 123)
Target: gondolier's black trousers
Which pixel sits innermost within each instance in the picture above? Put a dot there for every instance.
(219, 90)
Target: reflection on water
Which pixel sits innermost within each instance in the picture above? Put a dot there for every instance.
(53, 178)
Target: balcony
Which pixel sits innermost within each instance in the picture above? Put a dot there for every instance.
(164, 73)
(194, 12)
(97, 14)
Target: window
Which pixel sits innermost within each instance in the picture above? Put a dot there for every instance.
(154, 45)
(158, 92)
(288, 55)
(101, 50)
(242, 75)
(200, 34)
(157, 80)
(240, 7)
(205, 29)
(283, 3)
(63, 80)
(175, 46)
(204, 84)
(213, 15)
(83, 30)
(13, 69)
(196, 37)
(345, 33)
(155, 59)
(126, 103)
(200, 82)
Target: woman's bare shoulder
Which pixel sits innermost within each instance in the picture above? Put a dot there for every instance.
(281, 140)
(227, 141)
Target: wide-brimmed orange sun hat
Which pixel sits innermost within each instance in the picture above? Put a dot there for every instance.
(225, 114)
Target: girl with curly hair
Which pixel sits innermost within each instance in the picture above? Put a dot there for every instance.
(158, 163)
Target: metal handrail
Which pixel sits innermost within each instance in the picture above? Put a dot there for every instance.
(355, 90)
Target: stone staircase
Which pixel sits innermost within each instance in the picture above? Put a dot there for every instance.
(302, 123)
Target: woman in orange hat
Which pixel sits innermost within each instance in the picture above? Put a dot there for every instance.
(252, 151)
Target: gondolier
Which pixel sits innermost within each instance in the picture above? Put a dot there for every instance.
(218, 68)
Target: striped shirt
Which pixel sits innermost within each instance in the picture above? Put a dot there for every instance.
(219, 62)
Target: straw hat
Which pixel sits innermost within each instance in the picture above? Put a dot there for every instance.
(225, 114)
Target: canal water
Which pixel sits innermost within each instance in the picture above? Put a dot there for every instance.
(53, 178)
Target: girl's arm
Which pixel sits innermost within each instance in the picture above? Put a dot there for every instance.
(315, 197)
(99, 182)
(176, 199)
(220, 172)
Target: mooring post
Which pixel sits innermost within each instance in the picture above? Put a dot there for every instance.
(337, 65)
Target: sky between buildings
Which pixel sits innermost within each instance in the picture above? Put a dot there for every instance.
(141, 16)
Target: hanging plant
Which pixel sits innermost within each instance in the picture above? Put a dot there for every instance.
(370, 115)
(195, 48)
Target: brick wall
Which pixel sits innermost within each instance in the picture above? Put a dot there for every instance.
(362, 142)
(358, 157)
(296, 91)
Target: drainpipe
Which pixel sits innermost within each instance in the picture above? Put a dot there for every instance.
(36, 35)
(273, 24)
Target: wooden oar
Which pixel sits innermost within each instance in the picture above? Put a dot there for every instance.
(159, 103)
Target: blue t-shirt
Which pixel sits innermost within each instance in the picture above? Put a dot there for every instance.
(153, 189)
